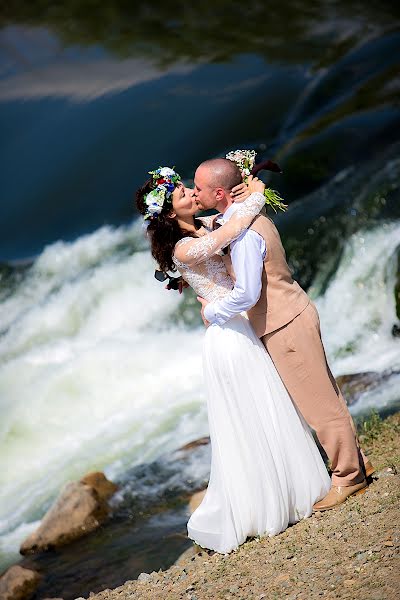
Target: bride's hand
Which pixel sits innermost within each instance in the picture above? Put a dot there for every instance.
(255, 185)
(240, 192)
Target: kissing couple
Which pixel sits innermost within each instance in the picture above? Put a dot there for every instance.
(266, 376)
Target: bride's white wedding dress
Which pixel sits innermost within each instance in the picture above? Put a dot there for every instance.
(266, 470)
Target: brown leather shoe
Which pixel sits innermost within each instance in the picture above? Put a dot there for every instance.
(369, 469)
(338, 494)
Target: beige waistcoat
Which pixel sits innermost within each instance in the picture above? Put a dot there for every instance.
(281, 298)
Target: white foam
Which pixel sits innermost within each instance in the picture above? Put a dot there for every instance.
(357, 310)
(90, 376)
(11, 542)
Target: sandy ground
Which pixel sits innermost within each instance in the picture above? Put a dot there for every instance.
(351, 552)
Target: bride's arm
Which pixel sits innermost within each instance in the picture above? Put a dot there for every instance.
(190, 252)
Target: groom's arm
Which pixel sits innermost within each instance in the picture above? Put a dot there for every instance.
(247, 255)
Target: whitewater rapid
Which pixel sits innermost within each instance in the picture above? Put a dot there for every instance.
(98, 371)
(92, 374)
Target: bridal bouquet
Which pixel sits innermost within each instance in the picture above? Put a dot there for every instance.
(245, 160)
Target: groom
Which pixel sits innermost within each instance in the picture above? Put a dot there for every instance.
(287, 322)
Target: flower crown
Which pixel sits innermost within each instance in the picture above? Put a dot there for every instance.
(165, 181)
(245, 160)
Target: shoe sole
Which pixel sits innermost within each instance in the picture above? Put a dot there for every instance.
(370, 471)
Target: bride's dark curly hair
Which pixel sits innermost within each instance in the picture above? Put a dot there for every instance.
(164, 231)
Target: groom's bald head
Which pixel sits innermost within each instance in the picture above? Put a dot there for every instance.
(220, 172)
(213, 181)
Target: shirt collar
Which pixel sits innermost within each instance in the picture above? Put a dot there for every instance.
(223, 218)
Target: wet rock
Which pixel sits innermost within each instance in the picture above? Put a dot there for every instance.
(354, 385)
(395, 330)
(200, 442)
(397, 287)
(98, 481)
(18, 583)
(196, 500)
(77, 511)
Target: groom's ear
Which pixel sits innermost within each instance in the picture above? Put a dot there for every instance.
(219, 194)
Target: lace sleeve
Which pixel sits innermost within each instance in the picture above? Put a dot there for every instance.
(196, 250)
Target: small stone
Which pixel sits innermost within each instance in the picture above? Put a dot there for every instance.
(348, 582)
(281, 578)
(144, 577)
(388, 543)
(233, 589)
(182, 575)
(18, 583)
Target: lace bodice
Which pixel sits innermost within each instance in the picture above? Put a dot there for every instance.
(197, 259)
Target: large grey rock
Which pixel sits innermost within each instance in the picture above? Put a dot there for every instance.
(18, 583)
(77, 511)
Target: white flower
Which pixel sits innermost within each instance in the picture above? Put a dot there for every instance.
(155, 197)
(242, 157)
(166, 172)
(154, 209)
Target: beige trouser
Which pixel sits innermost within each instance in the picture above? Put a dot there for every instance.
(298, 354)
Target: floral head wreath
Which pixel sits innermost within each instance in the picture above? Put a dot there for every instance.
(165, 181)
(245, 160)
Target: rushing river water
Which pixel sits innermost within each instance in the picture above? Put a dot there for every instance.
(100, 367)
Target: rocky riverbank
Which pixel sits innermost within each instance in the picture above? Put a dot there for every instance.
(349, 553)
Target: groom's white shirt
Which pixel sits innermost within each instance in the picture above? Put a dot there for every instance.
(247, 255)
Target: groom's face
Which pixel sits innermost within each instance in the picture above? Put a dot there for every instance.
(204, 194)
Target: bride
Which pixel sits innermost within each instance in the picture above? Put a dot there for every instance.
(266, 470)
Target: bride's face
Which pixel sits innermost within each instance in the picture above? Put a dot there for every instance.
(183, 202)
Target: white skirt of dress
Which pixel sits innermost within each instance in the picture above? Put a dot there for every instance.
(266, 470)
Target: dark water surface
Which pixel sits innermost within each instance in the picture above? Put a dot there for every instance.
(92, 97)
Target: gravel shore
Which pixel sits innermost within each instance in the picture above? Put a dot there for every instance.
(351, 552)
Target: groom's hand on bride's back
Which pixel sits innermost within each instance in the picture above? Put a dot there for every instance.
(203, 305)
